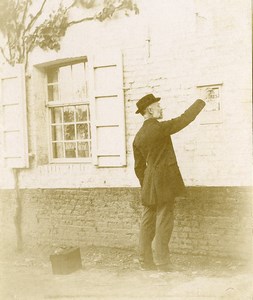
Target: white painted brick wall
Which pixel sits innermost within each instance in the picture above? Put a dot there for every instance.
(192, 43)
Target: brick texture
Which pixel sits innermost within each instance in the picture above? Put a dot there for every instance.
(169, 49)
(210, 221)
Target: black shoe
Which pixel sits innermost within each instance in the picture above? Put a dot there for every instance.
(147, 266)
(167, 268)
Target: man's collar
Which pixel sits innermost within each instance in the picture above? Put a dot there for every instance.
(150, 120)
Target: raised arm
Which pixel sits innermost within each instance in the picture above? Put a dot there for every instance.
(174, 125)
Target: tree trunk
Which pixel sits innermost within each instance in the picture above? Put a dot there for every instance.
(18, 213)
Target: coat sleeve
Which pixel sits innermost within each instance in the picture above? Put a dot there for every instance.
(174, 125)
(139, 164)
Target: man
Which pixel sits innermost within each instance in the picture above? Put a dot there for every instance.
(160, 179)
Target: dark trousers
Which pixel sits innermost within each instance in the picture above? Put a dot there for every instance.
(156, 226)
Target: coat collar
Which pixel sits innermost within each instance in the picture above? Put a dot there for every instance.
(150, 120)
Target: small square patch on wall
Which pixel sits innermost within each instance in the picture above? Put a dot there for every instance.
(212, 95)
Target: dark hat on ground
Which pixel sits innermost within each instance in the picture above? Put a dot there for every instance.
(145, 101)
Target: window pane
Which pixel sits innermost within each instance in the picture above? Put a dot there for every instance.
(52, 75)
(83, 149)
(82, 113)
(78, 77)
(70, 123)
(68, 114)
(58, 150)
(65, 82)
(57, 133)
(70, 150)
(69, 132)
(82, 131)
(56, 115)
(53, 93)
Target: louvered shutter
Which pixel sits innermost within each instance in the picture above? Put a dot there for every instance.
(107, 109)
(13, 117)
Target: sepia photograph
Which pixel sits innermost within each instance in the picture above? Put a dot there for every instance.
(126, 150)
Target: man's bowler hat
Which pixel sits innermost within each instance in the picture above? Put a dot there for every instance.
(145, 101)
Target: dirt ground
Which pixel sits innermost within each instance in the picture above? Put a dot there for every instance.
(110, 273)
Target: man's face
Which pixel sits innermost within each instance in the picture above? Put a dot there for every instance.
(156, 110)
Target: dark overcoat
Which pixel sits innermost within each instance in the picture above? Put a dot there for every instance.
(155, 160)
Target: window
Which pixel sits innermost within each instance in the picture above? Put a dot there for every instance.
(69, 112)
(85, 103)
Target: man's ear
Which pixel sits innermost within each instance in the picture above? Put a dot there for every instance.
(150, 110)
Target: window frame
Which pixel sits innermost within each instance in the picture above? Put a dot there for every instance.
(52, 104)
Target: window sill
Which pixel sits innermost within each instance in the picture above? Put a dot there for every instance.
(71, 161)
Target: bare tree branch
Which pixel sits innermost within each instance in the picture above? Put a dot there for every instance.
(80, 21)
(17, 4)
(34, 19)
(23, 22)
(9, 47)
(23, 33)
(117, 8)
(4, 55)
(25, 12)
(32, 44)
(71, 5)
